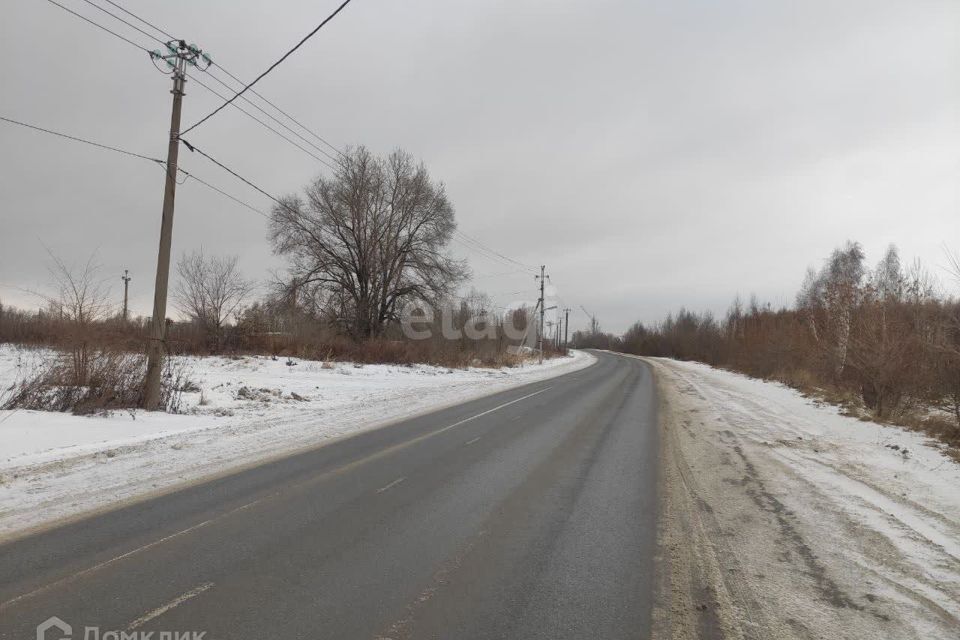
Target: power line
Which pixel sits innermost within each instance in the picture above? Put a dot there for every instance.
(135, 155)
(116, 17)
(479, 247)
(225, 194)
(222, 97)
(264, 124)
(483, 253)
(290, 117)
(496, 253)
(264, 112)
(84, 141)
(233, 77)
(460, 237)
(499, 275)
(130, 13)
(270, 68)
(194, 148)
(99, 26)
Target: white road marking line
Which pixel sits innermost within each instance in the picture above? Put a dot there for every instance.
(472, 441)
(391, 485)
(176, 602)
(123, 556)
(497, 408)
(374, 456)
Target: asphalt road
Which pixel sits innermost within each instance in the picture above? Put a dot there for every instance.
(526, 514)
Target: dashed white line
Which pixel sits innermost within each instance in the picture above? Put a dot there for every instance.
(351, 465)
(107, 563)
(391, 485)
(176, 602)
(472, 441)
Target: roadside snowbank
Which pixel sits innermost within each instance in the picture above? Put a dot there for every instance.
(54, 465)
(806, 523)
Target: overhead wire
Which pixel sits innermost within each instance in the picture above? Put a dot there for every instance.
(83, 140)
(272, 117)
(264, 124)
(232, 77)
(118, 18)
(270, 68)
(98, 25)
(287, 115)
(194, 148)
(133, 154)
(460, 237)
(199, 82)
(135, 16)
(491, 250)
(488, 253)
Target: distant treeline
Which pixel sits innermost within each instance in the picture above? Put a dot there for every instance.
(884, 339)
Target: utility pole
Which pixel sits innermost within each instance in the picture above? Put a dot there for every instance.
(179, 55)
(566, 327)
(543, 276)
(126, 287)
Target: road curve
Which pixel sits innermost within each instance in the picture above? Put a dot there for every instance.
(526, 514)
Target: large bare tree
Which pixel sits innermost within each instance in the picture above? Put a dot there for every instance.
(210, 290)
(368, 240)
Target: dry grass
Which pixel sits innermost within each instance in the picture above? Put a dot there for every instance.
(113, 380)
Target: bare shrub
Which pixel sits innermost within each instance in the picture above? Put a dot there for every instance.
(114, 381)
(78, 306)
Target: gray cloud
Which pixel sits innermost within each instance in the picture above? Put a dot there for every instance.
(653, 155)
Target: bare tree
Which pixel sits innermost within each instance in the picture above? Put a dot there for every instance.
(368, 240)
(80, 301)
(946, 346)
(883, 344)
(210, 291)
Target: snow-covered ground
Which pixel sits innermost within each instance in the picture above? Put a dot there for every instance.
(803, 523)
(54, 465)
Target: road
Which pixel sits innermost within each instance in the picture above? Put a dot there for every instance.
(526, 514)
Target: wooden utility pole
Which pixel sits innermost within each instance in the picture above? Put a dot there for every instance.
(179, 56)
(126, 290)
(566, 327)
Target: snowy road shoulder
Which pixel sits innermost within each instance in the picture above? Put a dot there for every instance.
(54, 466)
(784, 519)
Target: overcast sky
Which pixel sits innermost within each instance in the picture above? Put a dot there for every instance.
(651, 154)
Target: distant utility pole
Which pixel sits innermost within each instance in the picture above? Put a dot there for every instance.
(543, 276)
(126, 290)
(566, 327)
(179, 55)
